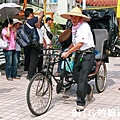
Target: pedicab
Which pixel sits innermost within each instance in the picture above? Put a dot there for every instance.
(39, 91)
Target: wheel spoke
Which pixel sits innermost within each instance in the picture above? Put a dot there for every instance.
(39, 94)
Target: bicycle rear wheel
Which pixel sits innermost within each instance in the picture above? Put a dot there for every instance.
(39, 94)
(101, 78)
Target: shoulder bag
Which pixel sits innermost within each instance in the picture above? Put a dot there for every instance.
(50, 36)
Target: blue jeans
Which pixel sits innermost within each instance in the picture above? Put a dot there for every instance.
(18, 56)
(11, 63)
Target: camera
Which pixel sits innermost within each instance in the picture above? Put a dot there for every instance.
(42, 22)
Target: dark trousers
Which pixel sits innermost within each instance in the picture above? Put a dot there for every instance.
(40, 62)
(80, 74)
(27, 51)
(33, 62)
(18, 56)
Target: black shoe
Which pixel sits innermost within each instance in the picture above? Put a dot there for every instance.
(10, 79)
(19, 75)
(28, 77)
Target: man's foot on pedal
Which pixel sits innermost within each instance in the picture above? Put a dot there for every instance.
(58, 88)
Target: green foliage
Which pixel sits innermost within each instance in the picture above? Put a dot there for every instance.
(55, 31)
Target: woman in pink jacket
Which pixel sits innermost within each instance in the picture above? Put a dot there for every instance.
(10, 54)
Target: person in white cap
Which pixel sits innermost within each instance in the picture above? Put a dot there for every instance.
(49, 21)
(16, 25)
(83, 45)
(42, 41)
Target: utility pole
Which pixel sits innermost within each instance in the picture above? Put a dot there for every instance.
(118, 14)
(44, 5)
(84, 5)
(70, 5)
(24, 4)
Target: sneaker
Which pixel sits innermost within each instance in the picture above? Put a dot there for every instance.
(90, 96)
(10, 79)
(17, 77)
(80, 108)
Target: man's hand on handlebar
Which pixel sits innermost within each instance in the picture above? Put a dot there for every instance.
(65, 54)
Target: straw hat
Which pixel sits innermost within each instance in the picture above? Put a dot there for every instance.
(76, 12)
(65, 35)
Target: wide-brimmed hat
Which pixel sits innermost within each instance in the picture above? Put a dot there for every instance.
(76, 12)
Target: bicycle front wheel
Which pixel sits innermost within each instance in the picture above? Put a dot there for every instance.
(39, 94)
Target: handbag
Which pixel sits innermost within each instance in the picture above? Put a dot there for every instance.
(50, 36)
(3, 44)
(70, 61)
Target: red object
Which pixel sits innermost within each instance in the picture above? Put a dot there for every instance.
(102, 2)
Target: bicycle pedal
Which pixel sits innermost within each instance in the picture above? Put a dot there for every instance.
(65, 96)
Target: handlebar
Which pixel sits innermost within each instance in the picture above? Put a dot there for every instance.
(49, 49)
(54, 52)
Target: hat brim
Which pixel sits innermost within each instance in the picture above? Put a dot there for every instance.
(67, 16)
(17, 22)
(65, 35)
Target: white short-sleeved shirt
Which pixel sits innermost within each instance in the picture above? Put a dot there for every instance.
(18, 48)
(48, 41)
(83, 34)
(40, 35)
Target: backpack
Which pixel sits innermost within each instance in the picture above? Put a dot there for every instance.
(23, 38)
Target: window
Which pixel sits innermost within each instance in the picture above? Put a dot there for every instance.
(53, 1)
(10, 1)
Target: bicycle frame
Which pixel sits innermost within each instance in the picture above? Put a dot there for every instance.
(51, 61)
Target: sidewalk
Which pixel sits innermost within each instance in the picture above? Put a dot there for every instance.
(103, 106)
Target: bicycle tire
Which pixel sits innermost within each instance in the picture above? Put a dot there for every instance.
(101, 78)
(39, 94)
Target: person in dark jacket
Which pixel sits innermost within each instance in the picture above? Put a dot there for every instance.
(33, 49)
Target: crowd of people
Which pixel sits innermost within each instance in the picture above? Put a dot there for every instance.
(33, 63)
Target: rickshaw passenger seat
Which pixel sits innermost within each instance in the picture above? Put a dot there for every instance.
(101, 35)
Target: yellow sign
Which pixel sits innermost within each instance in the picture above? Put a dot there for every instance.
(118, 9)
